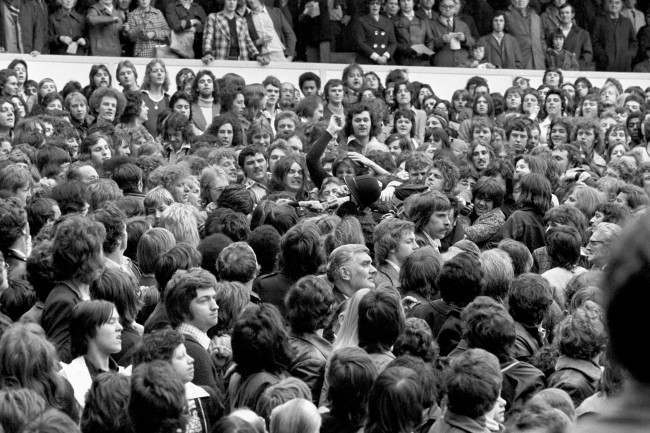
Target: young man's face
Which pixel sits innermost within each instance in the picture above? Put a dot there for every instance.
(361, 124)
(405, 248)
(439, 224)
(255, 167)
(272, 95)
(418, 175)
(204, 311)
(309, 88)
(498, 23)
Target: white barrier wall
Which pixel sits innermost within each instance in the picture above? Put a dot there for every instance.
(443, 80)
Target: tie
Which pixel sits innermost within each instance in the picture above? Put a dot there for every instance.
(450, 23)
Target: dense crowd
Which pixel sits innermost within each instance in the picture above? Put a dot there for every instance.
(608, 35)
(298, 258)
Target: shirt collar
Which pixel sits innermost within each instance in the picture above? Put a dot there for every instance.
(194, 332)
(393, 264)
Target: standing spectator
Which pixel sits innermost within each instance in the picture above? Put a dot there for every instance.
(226, 36)
(523, 23)
(559, 58)
(551, 17)
(501, 48)
(313, 29)
(147, 27)
(68, 30)
(77, 260)
(154, 93)
(614, 40)
(275, 37)
(374, 36)
(412, 31)
(105, 22)
(633, 14)
(576, 39)
(186, 16)
(451, 37)
(33, 25)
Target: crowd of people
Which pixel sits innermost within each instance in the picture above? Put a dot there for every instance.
(607, 35)
(299, 258)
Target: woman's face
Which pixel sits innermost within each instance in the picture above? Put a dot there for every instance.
(54, 104)
(618, 151)
(424, 93)
(372, 81)
(582, 89)
(262, 139)
(433, 122)
(570, 90)
(19, 107)
(100, 151)
(481, 106)
(276, 155)
(403, 95)
(7, 117)
(403, 126)
(319, 113)
(78, 109)
(293, 180)
(429, 105)
(182, 106)
(617, 137)
(125, 75)
(238, 105)
(21, 73)
(108, 336)
(157, 74)
(101, 78)
(47, 87)
(559, 135)
(225, 135)
(344, 170)
(5, 147)
(107, 108)
(459, 103)
(441, 110)
(144, 112)
(395, 149)
(182, 363)
(513, 101)
(521, 168)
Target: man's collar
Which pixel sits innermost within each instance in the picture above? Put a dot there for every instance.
(194, 332)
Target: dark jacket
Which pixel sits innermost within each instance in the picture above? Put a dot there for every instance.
(444, 320)
(273, 287)
(33, 25)
(528, 32)
(578, 42)
(577, 377)
(614, 43)
(505, 55)
(445, 56)
(527, 342)
(409, 33)
(205, 371)
(526, 226)
(246, 391)
(387, 277)
(104, 33)
(313, 31)
(520, 382)
(372, 36)
(311, 355)
(56, 318)
(71, 24)
(453, 423)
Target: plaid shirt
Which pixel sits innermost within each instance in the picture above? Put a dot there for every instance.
(142, 21)
(216, 38)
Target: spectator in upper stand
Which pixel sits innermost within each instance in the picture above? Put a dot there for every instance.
(523, 23)
(374, 36)
(67, 26)
(551, 17)
(501, 48)
(614, 40)
(275, 37)
(312, 24)
(576, 39)
(425, 10)
(451, 37)
(226, 37)
(33, 25)
(147, 27)
(105, 22)
(410, 31)
(186, 16)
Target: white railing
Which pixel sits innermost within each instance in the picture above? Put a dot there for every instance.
(443, 80)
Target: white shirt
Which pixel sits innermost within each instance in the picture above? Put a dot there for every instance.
(264, 26)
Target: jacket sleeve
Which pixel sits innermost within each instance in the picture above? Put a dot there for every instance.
(252, 49)
(95, 19)
(208, 35)
(161, 28)
(483, 230)
(587, 54)
(600, 56)
(632, 42)
(512, 228)
(289, 35)
(174, 21)
(314, 166)
(56, 323)
(311, 371)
